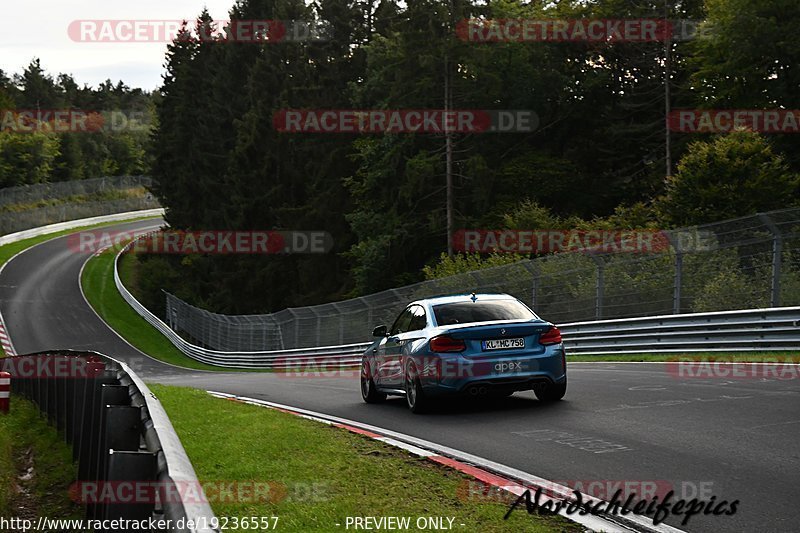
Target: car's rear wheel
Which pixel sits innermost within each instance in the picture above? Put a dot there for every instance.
(551, 392)
(368, 390)
(415, 396)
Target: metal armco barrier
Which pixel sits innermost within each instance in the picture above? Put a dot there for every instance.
(770, 329)
(119, 432)
(747, 330)
(71, 224)
(346, 355)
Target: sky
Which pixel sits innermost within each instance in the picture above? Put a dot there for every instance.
(46, 36)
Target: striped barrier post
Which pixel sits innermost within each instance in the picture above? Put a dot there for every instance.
(5, 391)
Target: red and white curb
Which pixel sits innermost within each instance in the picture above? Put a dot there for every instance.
(488, 472)
(5, 340)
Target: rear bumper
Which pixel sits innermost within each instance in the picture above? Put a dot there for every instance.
(481, 387)
(460, 375)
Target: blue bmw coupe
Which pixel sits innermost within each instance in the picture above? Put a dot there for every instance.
(477, 345)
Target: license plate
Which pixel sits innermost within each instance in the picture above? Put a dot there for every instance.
(503, 344)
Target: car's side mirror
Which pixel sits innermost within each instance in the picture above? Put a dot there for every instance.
(379, 331)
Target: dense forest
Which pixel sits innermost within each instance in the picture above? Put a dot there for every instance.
(116, 143)
(597, 158)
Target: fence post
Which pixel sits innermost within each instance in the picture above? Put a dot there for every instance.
(599, 286)
(678, 283)
(61, 399)
(278, 325)
(341, 322)
(111, 396)
(677, 280)
(296, 321)
(533, 268)
(89, 427)
(777, 252)
(370, 317)
(319, 325)
(168, 310)
(139, 468)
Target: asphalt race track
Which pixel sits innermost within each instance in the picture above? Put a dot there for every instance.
(736, 439)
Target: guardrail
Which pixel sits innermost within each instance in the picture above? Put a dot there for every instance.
(119, 432)
(771, 329)
(746, 330)
(344, 355)
(71, 224)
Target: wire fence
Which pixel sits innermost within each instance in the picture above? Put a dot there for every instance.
(31, 206)
(744, 263)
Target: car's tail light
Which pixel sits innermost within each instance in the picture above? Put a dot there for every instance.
(551, 336)
(443, 343)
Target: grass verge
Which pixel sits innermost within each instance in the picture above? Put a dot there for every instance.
(36, 467)
(98, 285)
(319, 475)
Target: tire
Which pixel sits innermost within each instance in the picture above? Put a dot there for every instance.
(369, 393)
(551, 392)
(416, 399)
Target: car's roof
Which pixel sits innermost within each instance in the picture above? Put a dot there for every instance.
(464, 298)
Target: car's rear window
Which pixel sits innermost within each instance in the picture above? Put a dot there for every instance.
(480, 311)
